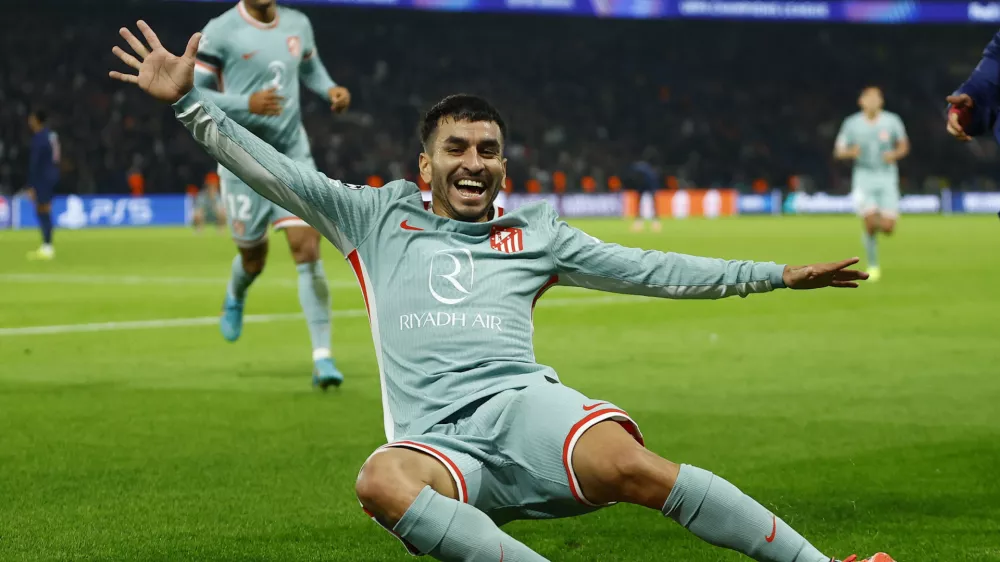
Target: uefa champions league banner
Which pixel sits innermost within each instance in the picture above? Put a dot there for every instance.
(822, 203)
(89, 211)
(684, 203)
(969, 202)
(5, 212)
(854, 11)
(95, 211)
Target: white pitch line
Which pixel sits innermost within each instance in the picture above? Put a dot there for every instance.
(258, 318)
(144, 280)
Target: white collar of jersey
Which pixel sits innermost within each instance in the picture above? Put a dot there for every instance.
(255, 22)
(426, 197)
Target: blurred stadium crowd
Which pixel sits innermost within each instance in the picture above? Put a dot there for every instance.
(705, 103)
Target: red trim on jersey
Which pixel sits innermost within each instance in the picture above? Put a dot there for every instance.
(307, 56)
(499, 212)
(254, 22)
(205, 66)
(463, 491)
(583, 425)
(283, 220)
(355, 260)
(210, 68)
(548, 285)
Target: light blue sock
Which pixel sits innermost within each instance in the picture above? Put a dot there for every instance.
(240, 280)
(450, 530)
(871, 248)
(720, 514)
(314, 296)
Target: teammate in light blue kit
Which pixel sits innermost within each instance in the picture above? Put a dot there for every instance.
(875, 140)
(249, 63)
(479, 433)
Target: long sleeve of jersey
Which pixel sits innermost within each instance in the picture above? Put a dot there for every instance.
(344, 213)
(983, 86)
(230, 103)
(583, 261)
(208, 67)
(311, 69)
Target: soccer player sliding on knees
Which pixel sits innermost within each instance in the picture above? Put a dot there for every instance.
(478, 433)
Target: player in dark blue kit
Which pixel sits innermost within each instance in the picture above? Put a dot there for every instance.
(973, 107)
(43, 175)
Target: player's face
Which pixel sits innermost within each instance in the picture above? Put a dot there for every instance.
(465, 168)
(34, 124)
(871, 99)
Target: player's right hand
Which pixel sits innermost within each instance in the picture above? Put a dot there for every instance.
(960, 112)
(162, 74)
(266, 102)
(852, 152)
(820, 275)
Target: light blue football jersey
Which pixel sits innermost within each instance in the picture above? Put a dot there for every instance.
(450, 303)
(239, 56)
(874, 138)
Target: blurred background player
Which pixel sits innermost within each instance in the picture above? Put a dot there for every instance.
(875, 140)
(43, 175)
(208, 207)
(643, 177)
(254, 55)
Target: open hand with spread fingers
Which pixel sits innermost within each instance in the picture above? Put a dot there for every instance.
(161, 74)
(817, 276)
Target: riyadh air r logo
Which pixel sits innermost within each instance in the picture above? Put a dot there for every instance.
(452, 275)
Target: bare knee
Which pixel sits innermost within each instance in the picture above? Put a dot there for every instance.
(612, 467)
(304, 244)
(385, 490)
(871, 225)
(888, 226)
(640, 477)
(254, 259)
(392, 479)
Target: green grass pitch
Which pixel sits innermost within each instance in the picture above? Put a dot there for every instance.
(867, 419)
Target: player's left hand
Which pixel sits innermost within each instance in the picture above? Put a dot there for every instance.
(889, 156)
(161, 74)
(817, 276)
(340, 99)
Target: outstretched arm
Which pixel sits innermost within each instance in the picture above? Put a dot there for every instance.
(343, 214)
(584, 261)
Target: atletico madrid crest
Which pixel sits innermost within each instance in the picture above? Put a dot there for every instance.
(295, 46)
(507, 240)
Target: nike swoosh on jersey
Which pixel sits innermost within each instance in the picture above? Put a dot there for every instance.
(407, 226)
(248, 56)
(592, 406)
(774, 529)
